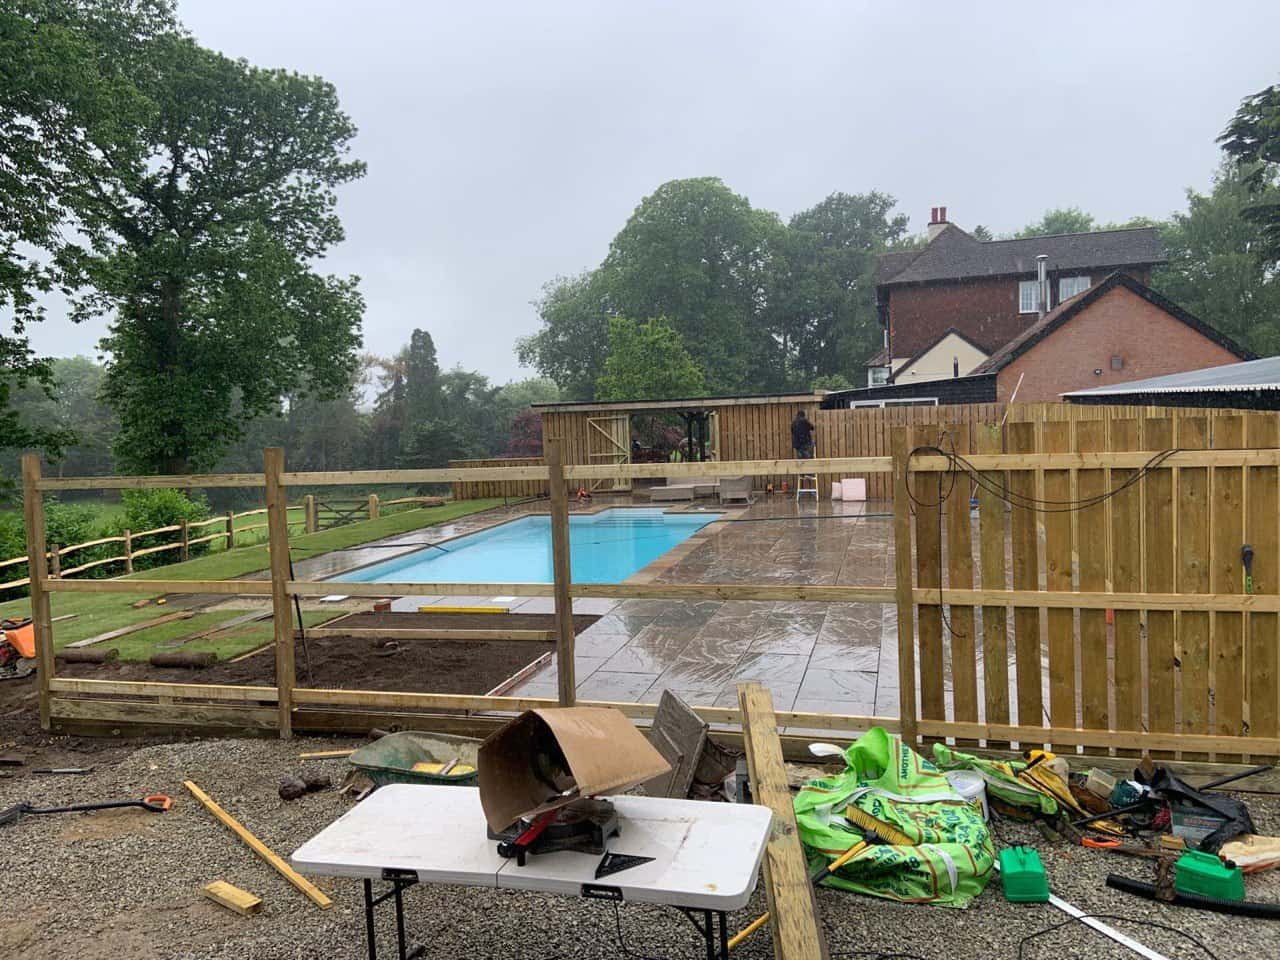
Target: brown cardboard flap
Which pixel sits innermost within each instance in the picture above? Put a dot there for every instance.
(600, 749)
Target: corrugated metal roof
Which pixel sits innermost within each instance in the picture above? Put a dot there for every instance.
(1261, 374)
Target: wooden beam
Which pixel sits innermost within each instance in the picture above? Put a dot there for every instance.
(632, 591)
(281, 574)
(202, 481)
(1058, 736)
(244, 588)
(792, 906)
(37, 573)
(233, 898)
(405, 633)
(134, 628)
(1100, 460)
(565, 675)
(1096, 600)
(146, 688)
(904, 579)
(223, 715)
(261, 849)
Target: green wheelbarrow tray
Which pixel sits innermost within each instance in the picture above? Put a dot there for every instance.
(390, 759)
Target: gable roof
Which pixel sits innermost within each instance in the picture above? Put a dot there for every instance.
(925, 350)
(1064, 311)
(955, 255)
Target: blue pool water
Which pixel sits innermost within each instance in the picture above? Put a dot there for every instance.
(605, 547)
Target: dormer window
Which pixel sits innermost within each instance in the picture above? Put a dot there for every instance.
(1068, 287)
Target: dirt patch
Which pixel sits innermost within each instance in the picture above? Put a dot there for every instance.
(412, 620)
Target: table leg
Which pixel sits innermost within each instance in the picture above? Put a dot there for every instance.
(370, 934)
(724, 935)
(399, 921)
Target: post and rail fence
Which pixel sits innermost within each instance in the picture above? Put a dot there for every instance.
(1137, 578)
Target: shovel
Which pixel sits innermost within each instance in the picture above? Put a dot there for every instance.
(156, 803)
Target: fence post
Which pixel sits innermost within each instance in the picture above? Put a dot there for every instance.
(281, 614)
(561, 569)
(128, 552)
(55, 561)
(374, 512)
(903, 580)
(184, 551)
(309, 513)
(41, 618)
(231, 529)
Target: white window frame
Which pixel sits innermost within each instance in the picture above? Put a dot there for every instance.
(895, 402)
(1077, 287)
(878, 376)
(1032, 286)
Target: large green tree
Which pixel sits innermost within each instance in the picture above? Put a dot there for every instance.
(1060, 220)
(700, 255)
(1214, 268)
(571, 344)
(215, 196)
(824, 294)
(648, 361)
(1252, 139)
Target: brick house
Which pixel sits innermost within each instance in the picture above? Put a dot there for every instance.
(1117, 330)
(989, 291)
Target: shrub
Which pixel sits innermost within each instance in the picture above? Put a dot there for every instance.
(149, 509)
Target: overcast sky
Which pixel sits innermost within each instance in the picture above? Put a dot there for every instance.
(508, 143)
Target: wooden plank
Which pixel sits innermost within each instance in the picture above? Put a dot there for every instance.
(926, 503)
(1049, 600)
(38, 573)
(995, 621)
(281, 574)
(565, 677)
(405, 633)
(1192, 539)
(233, 898)
(261, 849)
(201, 481)
(1020, 439)
(1153, 742)
(634, 591)
(964, 650)
(1262, 645)
(134, 628)
(1092, 550)
(908, 708)
(1194, 457)
(1226, 641)
(793, 908)
(1059, 556)
(245, 588)
(1159, 577)
(147, 688)
(237, 716)
(1126, 577)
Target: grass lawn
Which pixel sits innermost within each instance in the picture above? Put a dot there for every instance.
(99, 613)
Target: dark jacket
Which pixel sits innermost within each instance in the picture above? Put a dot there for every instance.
(801, 433)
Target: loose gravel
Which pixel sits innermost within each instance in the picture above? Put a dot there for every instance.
(124, 884)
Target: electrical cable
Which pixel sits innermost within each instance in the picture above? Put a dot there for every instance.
(1113, 918)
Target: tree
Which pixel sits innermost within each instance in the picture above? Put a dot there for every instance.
(1252, 139)
(1059, 220)
(824, 307)
(831, 381)
(215, 196)
(422, 395)
(980, 232)
(700, 255)
(571, 345)
(648, 361)
(526, 434)
(1214, 269)
(57, 72)
(73, 410)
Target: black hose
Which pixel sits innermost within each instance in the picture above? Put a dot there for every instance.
(1239, 908)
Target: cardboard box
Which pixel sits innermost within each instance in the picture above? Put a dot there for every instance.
(544, 759)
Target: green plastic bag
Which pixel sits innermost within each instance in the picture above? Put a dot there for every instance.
(953, 856)
(1000, 776)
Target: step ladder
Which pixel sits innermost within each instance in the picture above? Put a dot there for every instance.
(806, 483)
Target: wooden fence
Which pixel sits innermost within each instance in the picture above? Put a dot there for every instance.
(1190, 664)
(316, 515)
(1133, 625)
(481, 489)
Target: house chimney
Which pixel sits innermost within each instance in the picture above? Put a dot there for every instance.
(1042, 285)
(937, 221)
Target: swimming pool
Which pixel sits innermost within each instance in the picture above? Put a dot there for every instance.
(605, 547)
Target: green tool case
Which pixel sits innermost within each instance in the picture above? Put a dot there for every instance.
(1205, 874)
(1022, 875)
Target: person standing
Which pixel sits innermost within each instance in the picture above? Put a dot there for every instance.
(802, 437)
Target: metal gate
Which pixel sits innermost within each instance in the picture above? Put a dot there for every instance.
(610, 443)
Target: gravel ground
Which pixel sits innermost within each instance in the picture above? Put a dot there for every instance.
(126, 884)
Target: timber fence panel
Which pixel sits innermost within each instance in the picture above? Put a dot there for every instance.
(1192, 539)
(1093, 549)
(1059, 554)
(989, 438)
(1226, 638)
(927, 490)
(960, 622)
(1262, 630)
(1025, 563)
(1126, 577)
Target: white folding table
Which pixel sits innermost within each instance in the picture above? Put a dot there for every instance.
(706, 856)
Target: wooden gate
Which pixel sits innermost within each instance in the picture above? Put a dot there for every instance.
(610, 443)
(1123, 617)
